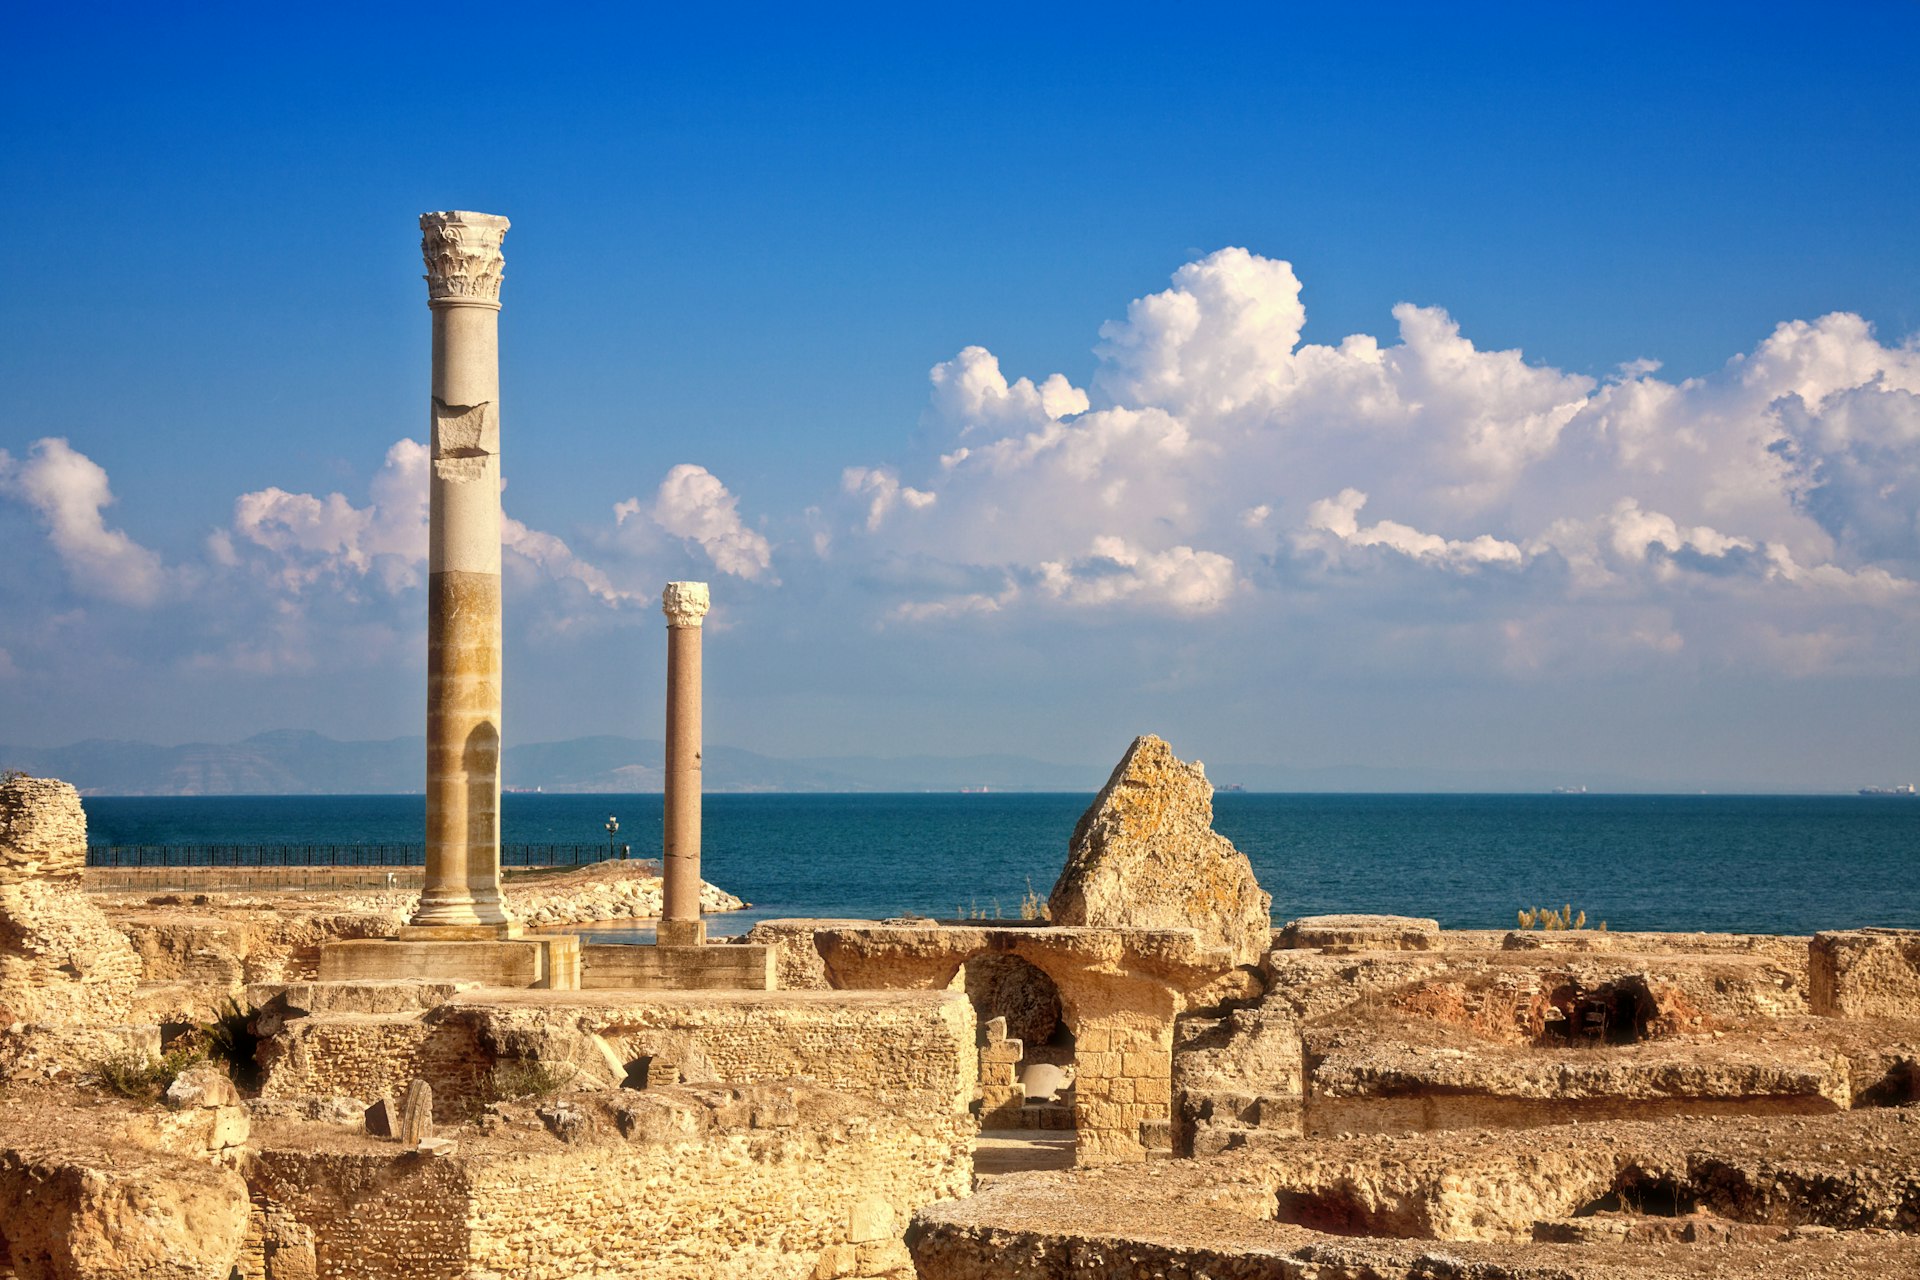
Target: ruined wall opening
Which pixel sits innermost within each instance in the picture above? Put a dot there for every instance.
(1326, 1211)
(1609, 1013)
(1004, 986)
(1642, 1195)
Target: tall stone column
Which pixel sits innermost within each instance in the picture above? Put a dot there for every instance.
(464, 268)
(685, 604)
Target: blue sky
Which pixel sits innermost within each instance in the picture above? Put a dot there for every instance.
(741, 241)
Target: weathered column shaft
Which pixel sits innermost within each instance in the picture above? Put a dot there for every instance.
(685, 604)
(464, 267)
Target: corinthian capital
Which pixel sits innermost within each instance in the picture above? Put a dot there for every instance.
(464, 263)
(684, 603)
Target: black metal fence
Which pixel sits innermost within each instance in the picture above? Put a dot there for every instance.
(120, 856)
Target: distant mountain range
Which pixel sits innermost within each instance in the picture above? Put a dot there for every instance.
(300, 762)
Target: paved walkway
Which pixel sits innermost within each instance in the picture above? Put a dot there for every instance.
(998, 1152)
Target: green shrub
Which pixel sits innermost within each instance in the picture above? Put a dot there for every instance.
(144, 1078)
(229, 1038)
(516, 1078)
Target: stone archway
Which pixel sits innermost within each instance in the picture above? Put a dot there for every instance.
(1026, 1042)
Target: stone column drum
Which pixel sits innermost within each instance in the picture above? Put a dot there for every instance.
(464, 269)
(685, 604)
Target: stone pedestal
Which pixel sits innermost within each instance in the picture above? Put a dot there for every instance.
(685, 604)
(551, 963)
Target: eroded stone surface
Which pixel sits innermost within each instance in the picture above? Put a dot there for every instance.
(1361, 933)
(1448, 1207)
(105, 1193)
(60, 959)
(1146, 856)
(1866, 973)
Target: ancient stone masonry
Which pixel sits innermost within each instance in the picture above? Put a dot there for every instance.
(1000, 1093)
(1735, 1199)
(1146, 856)
(1866, 973)
(61, 961)
(768, 1182)
(1119, 991)
(912, 1049)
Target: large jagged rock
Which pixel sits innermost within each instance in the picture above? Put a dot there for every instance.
(61, 961)
(1146, 856)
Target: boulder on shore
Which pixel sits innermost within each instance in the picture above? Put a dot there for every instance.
(1146, 856)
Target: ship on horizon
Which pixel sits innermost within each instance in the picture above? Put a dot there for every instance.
(1904, 789)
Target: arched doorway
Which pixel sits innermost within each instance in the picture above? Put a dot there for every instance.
(1027, 1043)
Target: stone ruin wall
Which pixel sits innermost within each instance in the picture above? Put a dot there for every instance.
(1866, 973)
(317, 1214)
(781, 1193)
(802, 1202)
(61, 961)
(910, 1048)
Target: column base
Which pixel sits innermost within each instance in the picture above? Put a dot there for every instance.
(681, 933)
(458, 932)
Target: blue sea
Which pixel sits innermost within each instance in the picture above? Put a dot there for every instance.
(1761, 864)
(1750, 864)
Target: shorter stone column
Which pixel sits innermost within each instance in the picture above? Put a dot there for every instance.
(685, 604)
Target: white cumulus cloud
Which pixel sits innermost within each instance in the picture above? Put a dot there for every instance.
(1115, 571)
(694, 505)
(1340, 517)
(313, 538)
(69, 492)
(1194, 472)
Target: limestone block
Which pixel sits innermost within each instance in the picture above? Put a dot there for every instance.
(797, 960)
(202, 1085)
(667, 968)
(416, 1114)
(835, 1262)
(549, 963)
(1349, 933)
(338, 1110)
(69, 1218)
(1145, 856)
(1865, 973)
(870, 1219)
(192, 1133)
(382, 1119)
(884, 1259)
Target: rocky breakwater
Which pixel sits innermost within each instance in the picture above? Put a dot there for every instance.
(604, 891)
(1146, 856)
